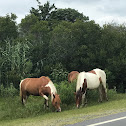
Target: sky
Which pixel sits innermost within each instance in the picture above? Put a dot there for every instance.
(101, 11)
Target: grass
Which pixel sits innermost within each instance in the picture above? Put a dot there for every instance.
(12, 113)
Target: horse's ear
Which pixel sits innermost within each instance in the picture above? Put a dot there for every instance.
(53, 96)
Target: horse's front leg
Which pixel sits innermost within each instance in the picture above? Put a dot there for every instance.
(83, 99)
(46, 99)
(44, 96)
(46, 104)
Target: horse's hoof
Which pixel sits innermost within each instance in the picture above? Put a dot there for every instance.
(99, 101)
(85, 104)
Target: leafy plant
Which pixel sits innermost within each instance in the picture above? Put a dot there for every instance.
(8, 91)
(66, 91)
(58, 73)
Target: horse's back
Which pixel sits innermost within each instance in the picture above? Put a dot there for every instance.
(101, 74)
(90, 78)
(23, 83)
(32, 85)
(72, 76)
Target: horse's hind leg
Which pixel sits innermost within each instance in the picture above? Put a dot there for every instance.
(100, 93)
(104, 91)
(24, 99)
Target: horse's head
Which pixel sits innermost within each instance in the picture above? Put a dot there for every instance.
(81, 92)
(56, 102)
(78, 94)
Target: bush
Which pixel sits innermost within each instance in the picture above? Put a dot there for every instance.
(66, 91)
(8, 91)
(59, 73)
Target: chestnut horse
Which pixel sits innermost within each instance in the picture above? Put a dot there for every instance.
(42, 86)
(72, 76)
(90, 80)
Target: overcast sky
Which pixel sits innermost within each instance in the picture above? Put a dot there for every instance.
(101, 11)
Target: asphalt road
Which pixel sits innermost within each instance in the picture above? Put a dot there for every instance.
(118, 119)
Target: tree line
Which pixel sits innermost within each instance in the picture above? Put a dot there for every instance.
(53, 42)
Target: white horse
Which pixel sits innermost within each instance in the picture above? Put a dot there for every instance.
(90, 80)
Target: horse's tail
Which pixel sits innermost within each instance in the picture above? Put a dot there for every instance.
(69, 78)
(20, 88)
(104, 86)
(102, 77)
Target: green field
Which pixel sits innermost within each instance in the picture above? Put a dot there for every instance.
(12, 113)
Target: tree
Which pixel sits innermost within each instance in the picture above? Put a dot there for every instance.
(86, 35)
(26, 24)
(73, 44)
(68, 15)
(60, 43)
(114, 48)
(8, 27)
(50, 12)
(44, 11)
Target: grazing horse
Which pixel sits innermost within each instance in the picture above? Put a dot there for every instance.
(90, 80)
(72, 76)
(42, 86)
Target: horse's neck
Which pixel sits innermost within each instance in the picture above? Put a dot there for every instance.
(80, 80)
(52, 97)
(52, 88)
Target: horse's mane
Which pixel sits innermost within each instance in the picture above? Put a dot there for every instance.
(47, 78)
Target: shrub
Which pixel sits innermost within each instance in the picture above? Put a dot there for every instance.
(8, 91)
(66, 91)
(58, 73)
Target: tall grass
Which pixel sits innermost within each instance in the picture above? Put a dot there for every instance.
(11, 107)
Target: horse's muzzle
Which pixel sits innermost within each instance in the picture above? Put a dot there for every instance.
(77, 105)
(58, 110)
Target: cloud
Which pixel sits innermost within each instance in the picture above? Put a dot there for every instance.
(116, 7)
(98, 10)
(16, 7)
(102, 11)
(111, 19)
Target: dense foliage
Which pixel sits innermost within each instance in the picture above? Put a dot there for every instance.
(53, 42)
